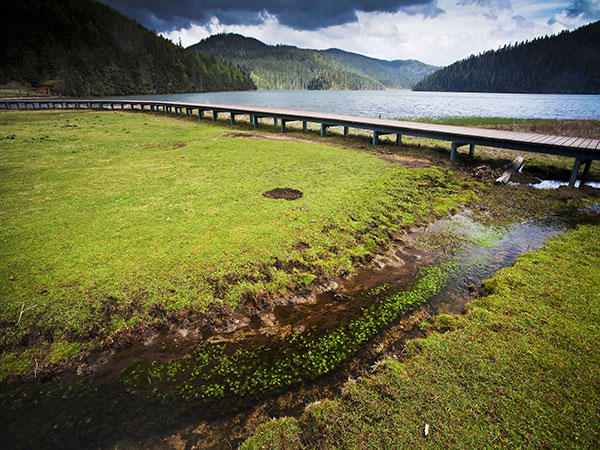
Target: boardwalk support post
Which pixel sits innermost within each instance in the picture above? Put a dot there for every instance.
(586, 170)
(453, 152)
(282, 126)
(200, 114)
(187, 112)
(398, 139)
(304, 125)
(346, 129)
(375, 137)
(471, 150)
(574, 172)
(232, 118)
(255, 121)
(275, 121)
(323, 130)
(215, 116)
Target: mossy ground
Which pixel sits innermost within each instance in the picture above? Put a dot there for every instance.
(520, 370)
(112, 219)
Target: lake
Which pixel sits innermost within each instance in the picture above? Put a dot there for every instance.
(407, 104)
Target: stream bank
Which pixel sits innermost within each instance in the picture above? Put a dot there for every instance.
(202, 392)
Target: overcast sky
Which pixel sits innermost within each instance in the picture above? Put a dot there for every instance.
(433, 31)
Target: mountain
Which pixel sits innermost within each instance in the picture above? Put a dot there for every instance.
(392, 74)
(83, 47)
(283, 66)
(567, 63)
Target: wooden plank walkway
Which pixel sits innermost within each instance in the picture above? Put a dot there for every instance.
(583, 150)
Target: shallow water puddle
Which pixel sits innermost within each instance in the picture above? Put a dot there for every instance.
(555, 184)
(291, 355)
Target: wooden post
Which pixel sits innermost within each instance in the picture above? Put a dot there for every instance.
(471, 150)
(574, 172)
(586, 170)
(232, 118)
(255, 121)
(187, 112)
(304, 125)
(215, 116)
(323, 130)
(345, 131)
(375, 138)
(282, 126)
(275, 121)
(398, 139)
(453, 152)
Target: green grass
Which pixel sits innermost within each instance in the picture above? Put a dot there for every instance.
(520, 370)
(110, 220)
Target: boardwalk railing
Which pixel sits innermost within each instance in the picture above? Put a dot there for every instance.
(583, 150)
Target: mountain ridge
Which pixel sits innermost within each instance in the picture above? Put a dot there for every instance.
(290, 67)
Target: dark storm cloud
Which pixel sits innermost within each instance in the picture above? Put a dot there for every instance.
(168, 15)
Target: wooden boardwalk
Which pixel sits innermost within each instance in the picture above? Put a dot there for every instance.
(583, 150)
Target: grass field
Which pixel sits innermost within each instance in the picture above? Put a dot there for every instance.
(520, 370)
(111, 220)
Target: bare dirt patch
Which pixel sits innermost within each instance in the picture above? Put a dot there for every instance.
(285, 193)
(410, 162)
(268, 137)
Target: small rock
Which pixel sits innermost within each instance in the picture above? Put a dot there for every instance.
(298, 329)
(12, 278)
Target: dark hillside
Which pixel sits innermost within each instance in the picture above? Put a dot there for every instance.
(82, 47)
(283, 66)
(568, 63)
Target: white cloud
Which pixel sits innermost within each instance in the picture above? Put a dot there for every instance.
(463, 30)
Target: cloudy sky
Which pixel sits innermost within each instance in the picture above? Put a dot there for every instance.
(433, 31)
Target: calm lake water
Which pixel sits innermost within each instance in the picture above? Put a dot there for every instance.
(407, 104)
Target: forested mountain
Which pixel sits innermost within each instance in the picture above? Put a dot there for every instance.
(83, 47)
(392, 74)
(568, 63)
(283, 66)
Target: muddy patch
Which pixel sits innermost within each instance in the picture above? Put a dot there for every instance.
(284, 193)
(268, 137)
(409, 162)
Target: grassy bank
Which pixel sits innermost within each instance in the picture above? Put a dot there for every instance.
(112, 220)
(519, 370)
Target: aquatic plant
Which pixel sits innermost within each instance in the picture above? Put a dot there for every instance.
(216, 371)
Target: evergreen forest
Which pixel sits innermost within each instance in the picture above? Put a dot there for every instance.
(567, 63)
(85, 48)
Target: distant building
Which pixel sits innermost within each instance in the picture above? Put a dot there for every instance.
(44, 89)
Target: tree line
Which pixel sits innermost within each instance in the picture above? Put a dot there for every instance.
(284, 66)
(567, 63)
(85, 48)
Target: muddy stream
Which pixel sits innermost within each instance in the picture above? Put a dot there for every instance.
(181, 391)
